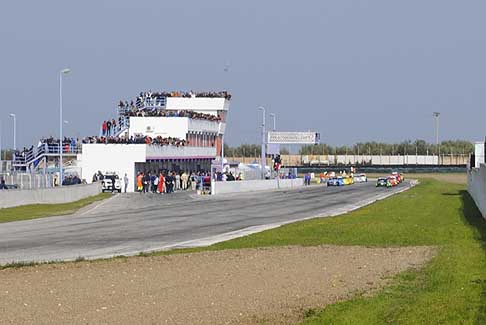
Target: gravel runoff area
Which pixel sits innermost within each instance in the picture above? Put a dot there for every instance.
(271, 285)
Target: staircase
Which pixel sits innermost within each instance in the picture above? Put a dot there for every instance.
(31, 158)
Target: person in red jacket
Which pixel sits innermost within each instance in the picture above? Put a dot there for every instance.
(103, 127)
(160, 188)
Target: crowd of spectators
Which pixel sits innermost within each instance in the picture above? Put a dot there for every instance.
(52, 141)
(170, 181)
(169, 113)
(109, 127)
(71, 180)
(160, 141)
(68, 144)
(22, 154)
(158, 98)
(51, 144)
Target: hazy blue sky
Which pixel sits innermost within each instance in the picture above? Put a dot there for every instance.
(353, 70)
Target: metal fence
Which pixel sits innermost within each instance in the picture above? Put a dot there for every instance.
(5, 166)
(27, 181)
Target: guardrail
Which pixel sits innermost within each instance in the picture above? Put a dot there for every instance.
(65, 194)
(476, 186)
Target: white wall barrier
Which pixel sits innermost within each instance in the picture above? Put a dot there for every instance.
(65, 194)
(255, 185)
(476, 186)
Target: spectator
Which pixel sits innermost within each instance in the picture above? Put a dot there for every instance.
(3, 186)
(140, 182)
(125, 178)
(146, 182)
(161, 183)
(108, 128)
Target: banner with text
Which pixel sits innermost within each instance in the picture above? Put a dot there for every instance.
(294, 137)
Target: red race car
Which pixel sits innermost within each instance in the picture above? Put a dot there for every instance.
(393, 181)
(398, 176)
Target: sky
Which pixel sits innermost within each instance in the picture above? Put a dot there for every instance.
(352, 70)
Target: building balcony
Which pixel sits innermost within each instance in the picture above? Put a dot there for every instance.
(154, 152)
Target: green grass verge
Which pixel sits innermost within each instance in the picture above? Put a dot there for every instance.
(451, 289)
(34, 211)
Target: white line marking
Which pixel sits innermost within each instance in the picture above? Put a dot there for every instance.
(97, 206)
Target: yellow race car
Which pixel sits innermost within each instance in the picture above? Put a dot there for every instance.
(348, 180)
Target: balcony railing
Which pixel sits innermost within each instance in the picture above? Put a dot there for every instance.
(45, 149)
(181, 152)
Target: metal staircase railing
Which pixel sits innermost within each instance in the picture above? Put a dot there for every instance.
(45, 150)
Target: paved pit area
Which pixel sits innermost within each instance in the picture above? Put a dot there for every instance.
(250, 286)
(130, 223)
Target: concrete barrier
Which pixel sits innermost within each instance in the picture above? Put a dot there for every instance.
(65, 194)
(476, 186)
(255, 185)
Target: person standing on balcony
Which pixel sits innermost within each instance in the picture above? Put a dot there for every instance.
(73, 144)
(108, 127)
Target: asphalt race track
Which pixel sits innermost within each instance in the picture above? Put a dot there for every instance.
(132, 223)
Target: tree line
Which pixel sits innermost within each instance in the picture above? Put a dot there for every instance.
(408, 147)
(247, 150)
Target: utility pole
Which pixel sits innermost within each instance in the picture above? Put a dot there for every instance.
(61, 73)
(263, 153)
(14, 131)
(436, 116)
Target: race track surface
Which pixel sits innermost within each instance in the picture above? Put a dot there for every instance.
(131, 223)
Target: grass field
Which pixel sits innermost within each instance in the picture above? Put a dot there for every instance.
(457, 178)
(451, 289)
(34, 211)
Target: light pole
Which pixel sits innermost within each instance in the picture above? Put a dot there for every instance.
(12, 115)
(436, 116)
(274, 121)
(61, 73)
(263, 154)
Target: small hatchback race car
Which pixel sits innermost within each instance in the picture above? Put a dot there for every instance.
(335, 181)
(111, 183)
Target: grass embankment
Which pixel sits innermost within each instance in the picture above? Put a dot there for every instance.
(34, 211)
(450, 289)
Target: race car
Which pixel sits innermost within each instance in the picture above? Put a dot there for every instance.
(335, 181)
(360, 178)
(382, 182)
(398, 176)
(348, 180)
(392, 181)
(389, 181)
(111, 183)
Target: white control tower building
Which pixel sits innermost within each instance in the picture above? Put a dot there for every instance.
(169, 131)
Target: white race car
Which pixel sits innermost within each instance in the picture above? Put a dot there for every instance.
(360, 178)
(111, 183)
